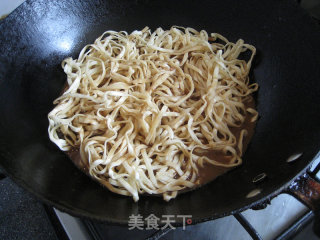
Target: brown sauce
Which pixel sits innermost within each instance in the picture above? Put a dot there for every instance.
(75, 157)
(208, 172)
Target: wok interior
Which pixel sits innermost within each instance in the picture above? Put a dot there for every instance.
(40, 34)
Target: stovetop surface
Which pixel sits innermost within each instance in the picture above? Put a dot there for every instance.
(21, 215)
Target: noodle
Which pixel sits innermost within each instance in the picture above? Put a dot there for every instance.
(143, 107)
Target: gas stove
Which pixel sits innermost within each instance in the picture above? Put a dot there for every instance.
(284, 218)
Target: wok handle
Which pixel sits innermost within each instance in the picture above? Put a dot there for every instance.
(307, 190)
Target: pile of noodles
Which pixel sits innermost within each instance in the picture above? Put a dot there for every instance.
(142, 108)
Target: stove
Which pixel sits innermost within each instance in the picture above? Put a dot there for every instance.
(284, 218)
(22, 215)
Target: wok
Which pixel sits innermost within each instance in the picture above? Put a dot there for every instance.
(39, 34)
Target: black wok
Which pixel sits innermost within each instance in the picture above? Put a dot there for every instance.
(36, 37)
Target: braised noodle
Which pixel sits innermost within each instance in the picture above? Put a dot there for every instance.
(142, 108)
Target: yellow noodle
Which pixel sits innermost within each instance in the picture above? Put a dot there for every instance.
(142, 107)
